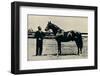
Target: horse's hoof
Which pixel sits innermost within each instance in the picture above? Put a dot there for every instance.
(57, 55)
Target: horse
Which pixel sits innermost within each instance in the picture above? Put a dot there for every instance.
(66, 37)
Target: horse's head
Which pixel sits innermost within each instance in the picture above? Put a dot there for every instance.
(49, 26)
(52, 26)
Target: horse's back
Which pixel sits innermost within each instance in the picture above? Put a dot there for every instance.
(64, 37)
(68, 36)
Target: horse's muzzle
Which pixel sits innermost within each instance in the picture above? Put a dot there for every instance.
(46, 30)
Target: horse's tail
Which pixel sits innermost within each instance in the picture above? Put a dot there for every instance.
(81, 41)
(78, 38)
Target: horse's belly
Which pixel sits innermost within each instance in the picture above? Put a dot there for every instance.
(64, 39)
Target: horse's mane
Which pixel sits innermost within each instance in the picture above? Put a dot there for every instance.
(56, 26)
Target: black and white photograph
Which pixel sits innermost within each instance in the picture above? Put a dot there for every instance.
(53, 37)
(57, 37)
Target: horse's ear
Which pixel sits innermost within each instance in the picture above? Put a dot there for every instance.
(50, 22)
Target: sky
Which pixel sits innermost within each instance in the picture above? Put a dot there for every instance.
(66, 23)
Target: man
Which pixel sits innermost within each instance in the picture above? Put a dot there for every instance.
(39, 41)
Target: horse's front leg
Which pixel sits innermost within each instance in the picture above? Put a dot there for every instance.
(59, 48)
(78, 51)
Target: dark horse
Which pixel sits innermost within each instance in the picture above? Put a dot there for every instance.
(67, 36)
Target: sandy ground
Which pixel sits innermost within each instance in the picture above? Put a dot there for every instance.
(69, 50)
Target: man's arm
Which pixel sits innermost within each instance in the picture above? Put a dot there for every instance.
(36, 34)
(43, 34)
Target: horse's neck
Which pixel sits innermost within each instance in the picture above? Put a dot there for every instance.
(54, 31)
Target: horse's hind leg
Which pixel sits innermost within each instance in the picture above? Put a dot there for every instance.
(78, 48)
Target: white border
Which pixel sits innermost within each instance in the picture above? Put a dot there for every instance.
(26, 65)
